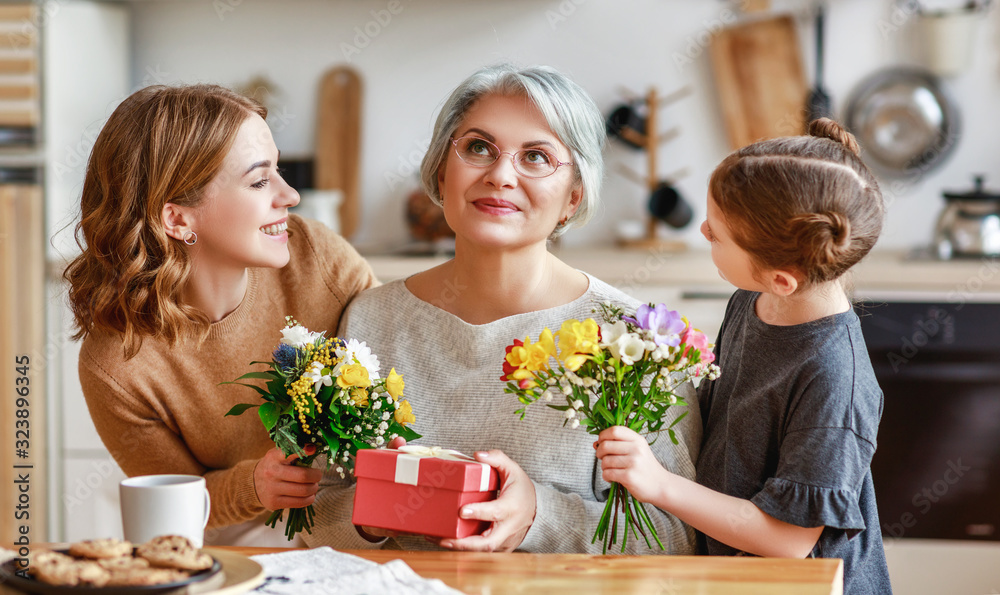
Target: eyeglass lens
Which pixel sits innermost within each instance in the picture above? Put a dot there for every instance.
(479, 152)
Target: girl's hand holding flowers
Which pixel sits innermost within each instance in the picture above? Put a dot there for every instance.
(621, 375)
(627, 459)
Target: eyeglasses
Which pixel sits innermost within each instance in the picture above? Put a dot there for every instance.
(533, 163)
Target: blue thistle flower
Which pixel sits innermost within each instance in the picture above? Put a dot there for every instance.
(286, 356)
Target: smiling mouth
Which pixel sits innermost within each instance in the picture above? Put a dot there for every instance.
(493, 203)
(276, 229)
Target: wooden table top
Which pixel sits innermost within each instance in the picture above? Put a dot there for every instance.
(498, 574)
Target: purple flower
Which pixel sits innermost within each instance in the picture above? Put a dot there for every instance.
(665, 325)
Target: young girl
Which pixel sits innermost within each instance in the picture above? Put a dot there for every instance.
(790, 424)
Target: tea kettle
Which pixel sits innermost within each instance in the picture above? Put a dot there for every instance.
(969, 225)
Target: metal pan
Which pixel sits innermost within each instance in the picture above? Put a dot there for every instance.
(905, 121)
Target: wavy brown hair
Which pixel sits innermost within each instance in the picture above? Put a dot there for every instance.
(802, 203)
(162, 144)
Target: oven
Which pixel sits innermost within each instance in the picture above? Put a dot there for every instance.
(937, 467)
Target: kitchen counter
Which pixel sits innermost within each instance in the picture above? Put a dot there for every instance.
(880, 275)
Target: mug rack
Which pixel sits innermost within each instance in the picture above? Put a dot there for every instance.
(649, 140)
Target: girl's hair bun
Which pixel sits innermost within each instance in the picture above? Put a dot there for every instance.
(825, 242)
(827, 128)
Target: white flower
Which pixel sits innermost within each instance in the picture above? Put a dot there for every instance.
(385, 415)
(379, 441)
(567, 390)
(377, 404)
(628, 349)
(357, 351)
(547, 396)
(383, 426)
(315, 373)
(357, 429)
(570, 413)
(573, 378)
(577, 404)
(612, 332)
(574, 424)
(589, 382)
(551, 381)
(298, 336)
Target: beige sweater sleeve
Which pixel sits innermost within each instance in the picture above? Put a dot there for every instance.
(141, 442)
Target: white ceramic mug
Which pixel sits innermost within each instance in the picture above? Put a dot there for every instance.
(154, 505)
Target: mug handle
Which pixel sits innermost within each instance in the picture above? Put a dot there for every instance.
(208, 508)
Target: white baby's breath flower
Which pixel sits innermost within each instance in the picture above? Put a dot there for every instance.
(589, 382)
(570, 413)
(567, 390)
(357, 429)
(547, 396)
(385, 415)
(573, 378)
(383, 426)
(379, 441)
(574, 424)
(377, 404)
(577, 404)
(551, 381)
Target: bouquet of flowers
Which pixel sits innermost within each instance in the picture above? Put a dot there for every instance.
(328, 393)
(622, 372)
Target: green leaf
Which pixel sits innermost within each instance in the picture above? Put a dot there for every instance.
(259, 390)
(679, 418)
(286, 439)
(405, 432)
(268, 413)
(257, 375)
(239, 408)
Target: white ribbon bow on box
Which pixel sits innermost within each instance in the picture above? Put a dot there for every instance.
(408, 463)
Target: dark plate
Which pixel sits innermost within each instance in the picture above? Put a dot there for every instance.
(9, 578)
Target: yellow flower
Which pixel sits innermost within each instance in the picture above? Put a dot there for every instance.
(404, 413)
(359, 397)
(577, 342)
(394, 385)
(353, 375)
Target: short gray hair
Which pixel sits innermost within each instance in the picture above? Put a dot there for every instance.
(567, 108)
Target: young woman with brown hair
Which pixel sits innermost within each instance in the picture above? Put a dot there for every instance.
(790, 425)
(190, 263)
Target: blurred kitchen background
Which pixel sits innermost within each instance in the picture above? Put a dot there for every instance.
(930, 121)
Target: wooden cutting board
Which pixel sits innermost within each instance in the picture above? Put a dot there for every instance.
(338, 142)
(760, 80)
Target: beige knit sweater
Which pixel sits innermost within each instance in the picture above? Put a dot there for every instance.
(163, 411)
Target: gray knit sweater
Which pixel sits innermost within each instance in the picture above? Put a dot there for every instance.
(452, 372)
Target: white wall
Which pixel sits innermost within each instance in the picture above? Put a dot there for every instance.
(418, 56)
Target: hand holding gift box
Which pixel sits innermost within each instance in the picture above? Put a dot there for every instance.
(420, 490)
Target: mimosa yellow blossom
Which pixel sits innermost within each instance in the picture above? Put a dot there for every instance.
(353, 375)
(394, 385)
(404, 413)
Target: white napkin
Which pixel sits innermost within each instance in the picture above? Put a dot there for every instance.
(323, 571)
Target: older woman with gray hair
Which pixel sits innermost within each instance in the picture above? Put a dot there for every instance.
(515, 160)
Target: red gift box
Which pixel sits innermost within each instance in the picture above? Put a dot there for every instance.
(420, 490)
